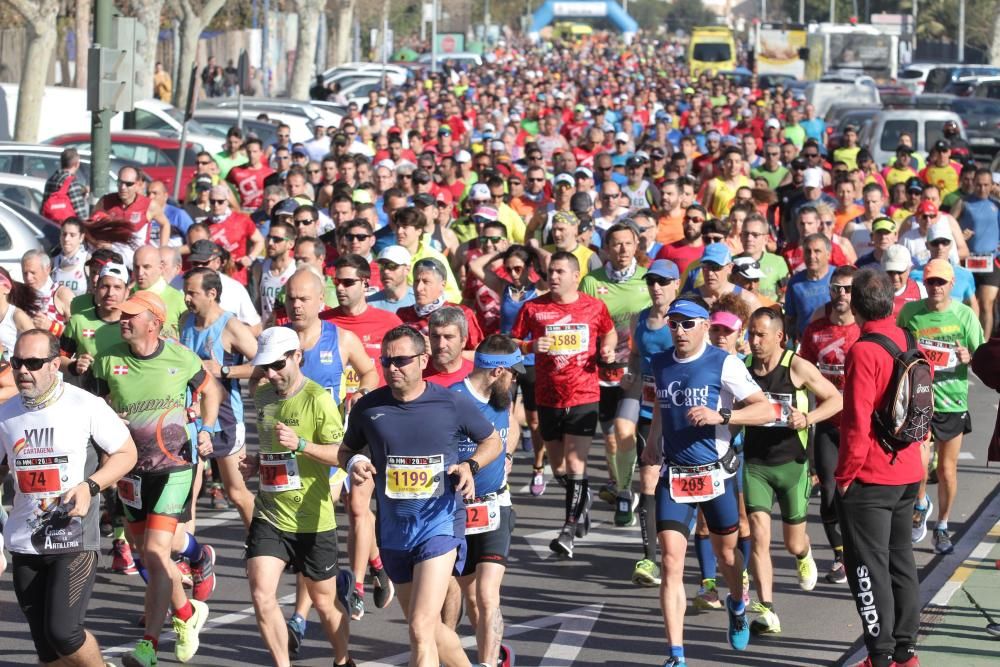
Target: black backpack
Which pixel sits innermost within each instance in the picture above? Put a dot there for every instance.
(904, 417)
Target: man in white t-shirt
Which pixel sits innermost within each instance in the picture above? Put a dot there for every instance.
(234, 298)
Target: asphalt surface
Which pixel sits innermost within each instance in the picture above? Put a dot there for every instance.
(558, 613)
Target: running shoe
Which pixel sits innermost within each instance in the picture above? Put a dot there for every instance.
(646, 573)
(919, 531)
(506, 658)
(537, 487)
(187, 580)
(345, 585)
(837, 573)
(187, 631)
(674, 661)
(563, 544)
(121, 560)
(526, 443)
(609, 492)
(867, 662)
(384, 591)
(739, 629)
(217, 499)
(808, 573)
(203, 574)
(993, 629)
(707, 597)
(143, 655)
(767, 622)
(296, 634)
(357, 604)
(942, 542)
(909, 662)
(625, 509)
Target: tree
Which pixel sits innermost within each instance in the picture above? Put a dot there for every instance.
(303, 71)
(345, 12)
(195, 15)
(148, 14)
(40, 24)
(83, 11)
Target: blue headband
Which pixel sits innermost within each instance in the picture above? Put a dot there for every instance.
(498, 360)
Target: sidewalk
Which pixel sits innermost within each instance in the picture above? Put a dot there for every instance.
(951, 627)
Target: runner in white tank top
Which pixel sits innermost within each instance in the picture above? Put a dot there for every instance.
(68, 271)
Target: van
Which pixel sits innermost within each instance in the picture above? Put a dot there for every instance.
(824, 94)
(712, 49)
(881, 135)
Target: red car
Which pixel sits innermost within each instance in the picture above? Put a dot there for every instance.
(157, 154)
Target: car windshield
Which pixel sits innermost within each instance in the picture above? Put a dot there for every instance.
(193, 126)
(712, 52)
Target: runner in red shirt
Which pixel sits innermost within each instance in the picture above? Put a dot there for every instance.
(689, 248)
(129, 207)
(428, 291)
(825, 343)
(234, 231)
(448, 333)
(248, 179)
(564, 327)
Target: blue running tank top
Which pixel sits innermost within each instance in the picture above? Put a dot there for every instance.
(509, 309)
(491, 478)
(322, 364)
(207, 344)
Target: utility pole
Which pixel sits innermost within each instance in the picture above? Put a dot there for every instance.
(265, 51)
(802, 11)
(961, 31)
(100, 121)
(833, 11)
(434, 38)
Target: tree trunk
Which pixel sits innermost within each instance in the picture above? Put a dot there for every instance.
(345, 26)
(40, 24)
(995, 42)
(147, 14)
(303, 73)
(195, 15)
(83, 11)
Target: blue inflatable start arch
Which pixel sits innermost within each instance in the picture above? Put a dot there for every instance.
(552, 10)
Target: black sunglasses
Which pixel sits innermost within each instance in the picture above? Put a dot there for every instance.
(357, 237)
(490, 239)
(398, 361)
(307, 221)
(31, 363)
(846, 289)
(276, 239)
(217, 201)
(347, 282)
(127, 184)
(658, 280)
(279, 364)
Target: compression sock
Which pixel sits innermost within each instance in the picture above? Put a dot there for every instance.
(191, 550)
(574, 493)
(140, 567)
(298, 620)
(706, 558)
(832, 530)
(152, 640)
(359, 586)
(838, 554)
(119, 533)
(625, 469)
(743, 543)
(922, 503)
(185, 612)
(376, 563)
(612, 460)
(647, 521)
(677, 652)
(581, 504)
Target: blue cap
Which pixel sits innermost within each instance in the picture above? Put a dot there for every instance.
(665, 269)
(687, 309)
(717, 253)
(285, 207)
(513, 361)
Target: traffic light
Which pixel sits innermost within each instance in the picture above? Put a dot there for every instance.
(111, 84)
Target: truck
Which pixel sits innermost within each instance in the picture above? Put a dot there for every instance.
(851, 50)
(711, 49)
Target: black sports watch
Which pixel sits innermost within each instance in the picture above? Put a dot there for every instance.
(473, 466)
(225, 371)
(94, 487)
(726, 415)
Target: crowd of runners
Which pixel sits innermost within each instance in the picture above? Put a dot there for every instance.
(560, 243)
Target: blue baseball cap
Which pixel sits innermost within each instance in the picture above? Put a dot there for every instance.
(665, 269)
(687, 309)
(513, 361)
(717, 253)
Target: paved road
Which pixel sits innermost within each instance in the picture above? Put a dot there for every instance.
(559, 613)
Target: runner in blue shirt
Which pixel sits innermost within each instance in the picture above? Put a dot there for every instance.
(412, 430)
(696, 388)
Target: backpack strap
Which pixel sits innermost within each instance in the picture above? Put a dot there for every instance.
(886, 343)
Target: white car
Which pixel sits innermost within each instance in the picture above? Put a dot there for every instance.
(23, 230)
(26, 191)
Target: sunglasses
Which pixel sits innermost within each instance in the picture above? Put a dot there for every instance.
(480, 220)
(31, 363)
(810, 154)
(713, 238)
(389, 266)
(357, 237)
(398, 361)
(127, 184)
(204, 162)
(277, 365)
(658, 280)
(490, 239)
(687, 325)
(930, 282)
(409, 176)
(442, 204)
(305, 221)
(277, 239)
(694, 218)
(347, 282)
(846, 289)
(197, 264)
(941, 242)
(315, 171)
(217, 201)
(514, 269)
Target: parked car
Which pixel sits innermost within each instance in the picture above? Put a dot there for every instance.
(25, 191)
(268, 105)
(42, 160)
(981, 120)
(939, 77)
(823, 94)
(397, 74)
(914, 76)
(157, 155)
(987, 86)
(849, 115)
(299, 124)
(881, 135)
(21, 230)
(219, 121)
(464, 59)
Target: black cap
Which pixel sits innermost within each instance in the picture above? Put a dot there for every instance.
(203, 183)
(284, 207)
(903, 148)
(800, 163)
(580, 202)
(634, 162)
(424, 199)
(864, 155)
(657, 153)
(340, 139)
(915, 184)
(204, 250)
(942, 145)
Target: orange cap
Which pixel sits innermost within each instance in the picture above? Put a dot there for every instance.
(142, 301)
(939, 268)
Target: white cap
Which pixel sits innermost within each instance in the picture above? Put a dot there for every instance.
(498, 147)
(564, 178)
(748, 267)
(463, 156)
(773, 122)
(119, 271)
(387, 163)
(813, 178)
(897, 258)
(274, 344)
(489, 127)
(480, 192)
(396, 254)
(940, 230)
(622, 136)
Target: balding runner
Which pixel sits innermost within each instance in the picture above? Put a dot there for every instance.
(147, 265)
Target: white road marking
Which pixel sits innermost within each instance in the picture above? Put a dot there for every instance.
(600, 533)
(572, 630)
(965, 456)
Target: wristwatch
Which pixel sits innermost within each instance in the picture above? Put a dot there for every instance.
(225, 371)
(94, 487)
(726, 414)
(473, 466)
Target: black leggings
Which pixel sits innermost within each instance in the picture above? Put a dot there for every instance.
(826, 449)
(53, 592)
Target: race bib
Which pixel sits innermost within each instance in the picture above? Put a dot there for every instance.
(130, 491)
(781, 404)
(41, 476)
(648, 392)
(568, 339)
(695, 484)
(414, 477)
(482, 515)
(940, 353)
(279, 471)
(979, 263)
(834, 373)
(351, 380)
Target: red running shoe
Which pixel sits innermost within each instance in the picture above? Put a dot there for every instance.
(203, 574)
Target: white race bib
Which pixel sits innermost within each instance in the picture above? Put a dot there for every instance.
(568, 339)
(940, 353)
(782, 406)
(279, 471)
(40, 477)
(482, 515)
(979, 263)
(130, 491)
(414, 477)
(695, 484)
